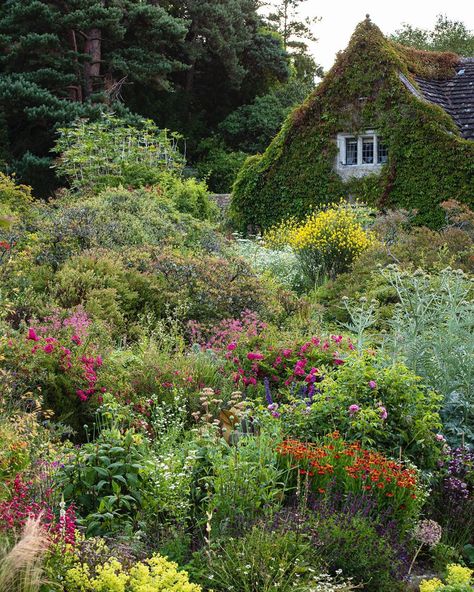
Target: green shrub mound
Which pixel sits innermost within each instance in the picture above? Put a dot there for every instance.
(428, 160)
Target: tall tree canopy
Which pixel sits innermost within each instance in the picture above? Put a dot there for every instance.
(446, 35)
(296, 31)
(63, 59)
(231, 57)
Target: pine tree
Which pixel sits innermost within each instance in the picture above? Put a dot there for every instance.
(62, 59)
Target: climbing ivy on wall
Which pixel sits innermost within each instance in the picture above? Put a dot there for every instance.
(428, 160)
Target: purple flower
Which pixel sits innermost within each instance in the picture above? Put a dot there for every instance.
(373, 384)
(268, 393)
(353, 409)
(383, 412)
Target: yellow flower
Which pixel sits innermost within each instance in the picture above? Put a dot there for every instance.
(458, 574)
(431, 585)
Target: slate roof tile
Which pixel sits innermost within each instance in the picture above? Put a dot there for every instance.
(455, 96)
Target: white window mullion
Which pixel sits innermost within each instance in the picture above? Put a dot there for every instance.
(359, 150)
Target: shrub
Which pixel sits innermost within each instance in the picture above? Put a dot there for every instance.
(361, 549)
(156, 573)
(189, 196)
(327, 242)
(107, 481)
(108, 289)
(14, 198)
(214, 288)
(219, 165)
(61, 367)
(117, 219)
(108, 152)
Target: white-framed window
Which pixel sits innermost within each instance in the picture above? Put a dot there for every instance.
(364, 150)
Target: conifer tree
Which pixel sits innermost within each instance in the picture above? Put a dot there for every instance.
(61, 59)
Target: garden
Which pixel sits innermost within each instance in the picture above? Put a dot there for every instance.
(187, 409)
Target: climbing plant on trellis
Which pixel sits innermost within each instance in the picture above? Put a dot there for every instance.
(108, 151)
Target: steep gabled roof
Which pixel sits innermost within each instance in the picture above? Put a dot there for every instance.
(455, 95)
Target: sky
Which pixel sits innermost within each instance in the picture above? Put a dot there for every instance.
(340, 17)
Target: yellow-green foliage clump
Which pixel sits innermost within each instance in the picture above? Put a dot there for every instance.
(156, 574)
(457, 576)
(327, 241)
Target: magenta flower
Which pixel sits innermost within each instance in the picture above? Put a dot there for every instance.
(353, 409)
(49, 348)
(287, 353)
(255, 356)
(231, 346)
(32, 335)
(373, 384)
(76, 339)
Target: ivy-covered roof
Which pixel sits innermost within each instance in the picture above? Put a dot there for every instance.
(420, 102)
(455, 95)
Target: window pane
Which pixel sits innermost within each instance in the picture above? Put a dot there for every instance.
(382, 152)
(367, 150)
(351, 150)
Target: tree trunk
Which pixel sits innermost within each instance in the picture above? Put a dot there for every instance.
(75, 91)
(92, 49)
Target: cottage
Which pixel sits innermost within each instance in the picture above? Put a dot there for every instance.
(390, 125)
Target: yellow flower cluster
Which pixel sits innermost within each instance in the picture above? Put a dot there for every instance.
(456, 576)
(334, 229)
(156, 574)
(331, 238)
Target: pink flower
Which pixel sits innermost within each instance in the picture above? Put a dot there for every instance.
(231, 346)
(286, 353)
(81, 394)
(76, 339)
(383, 412)
(49, 348)
(353, 409)
(373, 384)
(336, 338)
(255, 356)
(440, 438)
(32, 335)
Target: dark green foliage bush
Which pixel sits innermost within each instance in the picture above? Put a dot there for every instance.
(213, 287)
(218, 164)
(354, 544)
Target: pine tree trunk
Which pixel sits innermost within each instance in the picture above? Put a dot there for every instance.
(93, 49)
(75, 91)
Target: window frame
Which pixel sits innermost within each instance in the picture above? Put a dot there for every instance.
(342, 139)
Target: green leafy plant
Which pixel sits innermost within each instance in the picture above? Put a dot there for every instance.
(110, 152)
(107, 480)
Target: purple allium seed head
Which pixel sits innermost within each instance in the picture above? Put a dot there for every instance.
(428, 532)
